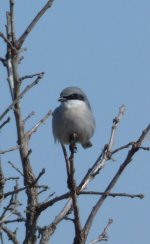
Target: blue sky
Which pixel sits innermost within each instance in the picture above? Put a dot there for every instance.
(102, 47)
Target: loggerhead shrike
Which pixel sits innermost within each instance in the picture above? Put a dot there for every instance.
(74, 115)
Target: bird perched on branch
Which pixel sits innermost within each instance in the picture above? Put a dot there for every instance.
(73, 121)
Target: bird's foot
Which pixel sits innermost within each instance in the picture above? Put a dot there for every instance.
(73, 148)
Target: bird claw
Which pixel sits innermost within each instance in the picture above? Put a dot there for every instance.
(73, 148)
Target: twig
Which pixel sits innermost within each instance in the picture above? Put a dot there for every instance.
(33, 23)
(3, 61)
(121, 148)
(73, 193)
(11, 178)
(45, 188)
(114, 127)
(21, 189)
(35, 82)
(4, 123)
(145, 148)
(9, 149)
(7, 41)
(29, 116)
(141, 196)
(34, 129)
(49, 203)
(1, 237)
(2, 182)
(66, 160)
(39, 176)
(16, 168)
(14, 221)
(13, 192)
(12, 205)
(12, 21)
(30, 76)
(8, 62)
(103, 236)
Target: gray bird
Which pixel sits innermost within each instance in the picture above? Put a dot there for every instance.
(73, 116)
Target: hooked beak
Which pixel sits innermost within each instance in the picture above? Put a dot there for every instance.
(62, 99)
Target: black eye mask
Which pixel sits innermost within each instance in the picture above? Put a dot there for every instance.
(74, 96)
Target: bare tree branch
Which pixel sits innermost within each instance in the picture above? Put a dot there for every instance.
(33, 23)
(28, 87)
(29, 116)
(30, 76)
(11, 149)
(16, 168)
(73, 193)
(34, 129)
(8, 62)
(141, 196)
(123, 166)
(12, 21)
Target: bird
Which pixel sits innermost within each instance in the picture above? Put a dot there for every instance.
(73, 119)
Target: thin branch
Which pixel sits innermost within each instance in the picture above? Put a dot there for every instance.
(51, 202)
(114, 127)
(2, 182)
(8, 62)
(145, 148)
(141, 196)
(4, 123)
(22, 189)
(12, 21)
(7, 41)
(14, 221)
(11, 178)
(30, 76)
(3, 61)
(11, 149)
(66, 160)
(34, 129)
(39, 176)
(16, 168)
(33, 23)
(13, 192)
(35, 82)
(122, 148)
(103, 236)
(28, 117)
(1, 237)
(45, 188)
(73, 193)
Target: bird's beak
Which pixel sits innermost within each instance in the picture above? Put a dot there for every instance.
(61, 99)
